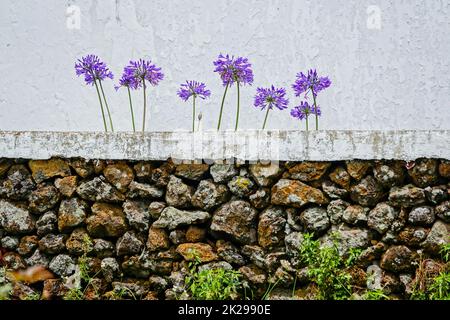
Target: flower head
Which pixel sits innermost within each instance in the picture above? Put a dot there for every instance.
(306, 82)
(142, 70)
(233, 70)
(92, 69)
(127, 80)
(304, 110)
(193, 88)
(271, 97)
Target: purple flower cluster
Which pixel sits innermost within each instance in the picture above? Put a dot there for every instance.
(233, 70)
(138, 71)
(306, 82)
(92, 69)
(193, 88)
(271, 97)
(304, 110)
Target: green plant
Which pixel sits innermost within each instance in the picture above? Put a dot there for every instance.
(212, 284)
(445, 252)
(269, 290)
(326, 269)
(353, 256)
(377, 294)
(440, 288)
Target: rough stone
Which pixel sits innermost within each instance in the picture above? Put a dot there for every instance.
(229, 252)
(63, 265)
(421, 216)
(155, 209)
(67, 185)
(18, 185)
(424, 173)
(341, 177)
(15, 219)
(260, 199)
(38, 259)
(27, 245)
(271, 227)
(9, 243)
(444, 168)
(221, 173)
(79, 242)
(137, 214)
(110, 269)
(54, 289)
(255, 254)
(296, 194)
(5, 164)
(315, 219)
(52, 243)
(47, 223)
(381, 217)
(129, 244)
(412, 237)
(178, 194)
(98, 189)
(193, 171)
(161, 175)
(437, 237)
(158, 239)
(209, 195)
(72, 213)
(368, 192)
(333, 191)
(177, 236)
(389, 174)
(195, 234)
(103, 248)
(43, 199)
(45, 169)
(171, 218)
(436, 194)
(13, 261)
(398, 259)
(197, 251)
(144, 191)
(357, 168)
(241, 186)
(308, 171)
(336, 209)
(347, 238)
(406, 196)
(106, 221)
(237, 220)
(253, 274)
(265, 174)
(84, 168)
(143, 170)
(119, 175)
(443, 211)
(355, 215)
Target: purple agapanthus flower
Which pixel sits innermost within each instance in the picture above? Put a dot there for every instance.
(142, 70)
(305, 82)
(233, 70)
(128, 81)
(193, 88)
(271, 97)
(92, 69)
(304, 110)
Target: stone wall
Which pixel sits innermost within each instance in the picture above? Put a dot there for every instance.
(140, 221)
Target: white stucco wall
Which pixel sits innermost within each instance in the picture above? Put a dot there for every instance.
(396, 76)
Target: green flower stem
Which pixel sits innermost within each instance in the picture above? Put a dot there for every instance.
(265, 119)
(101, 106)
(106, 104)
(315, 109)
(306, 123)
(131, 109)
(193, 114)
(145, 107)
(221, 107)
(237, 111)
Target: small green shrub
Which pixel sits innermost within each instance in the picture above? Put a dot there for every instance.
(212, 284)
(377, 294)
(327, 269)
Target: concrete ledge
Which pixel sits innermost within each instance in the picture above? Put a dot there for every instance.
(243, 145)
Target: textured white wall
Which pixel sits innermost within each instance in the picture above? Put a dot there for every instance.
(394, 77)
